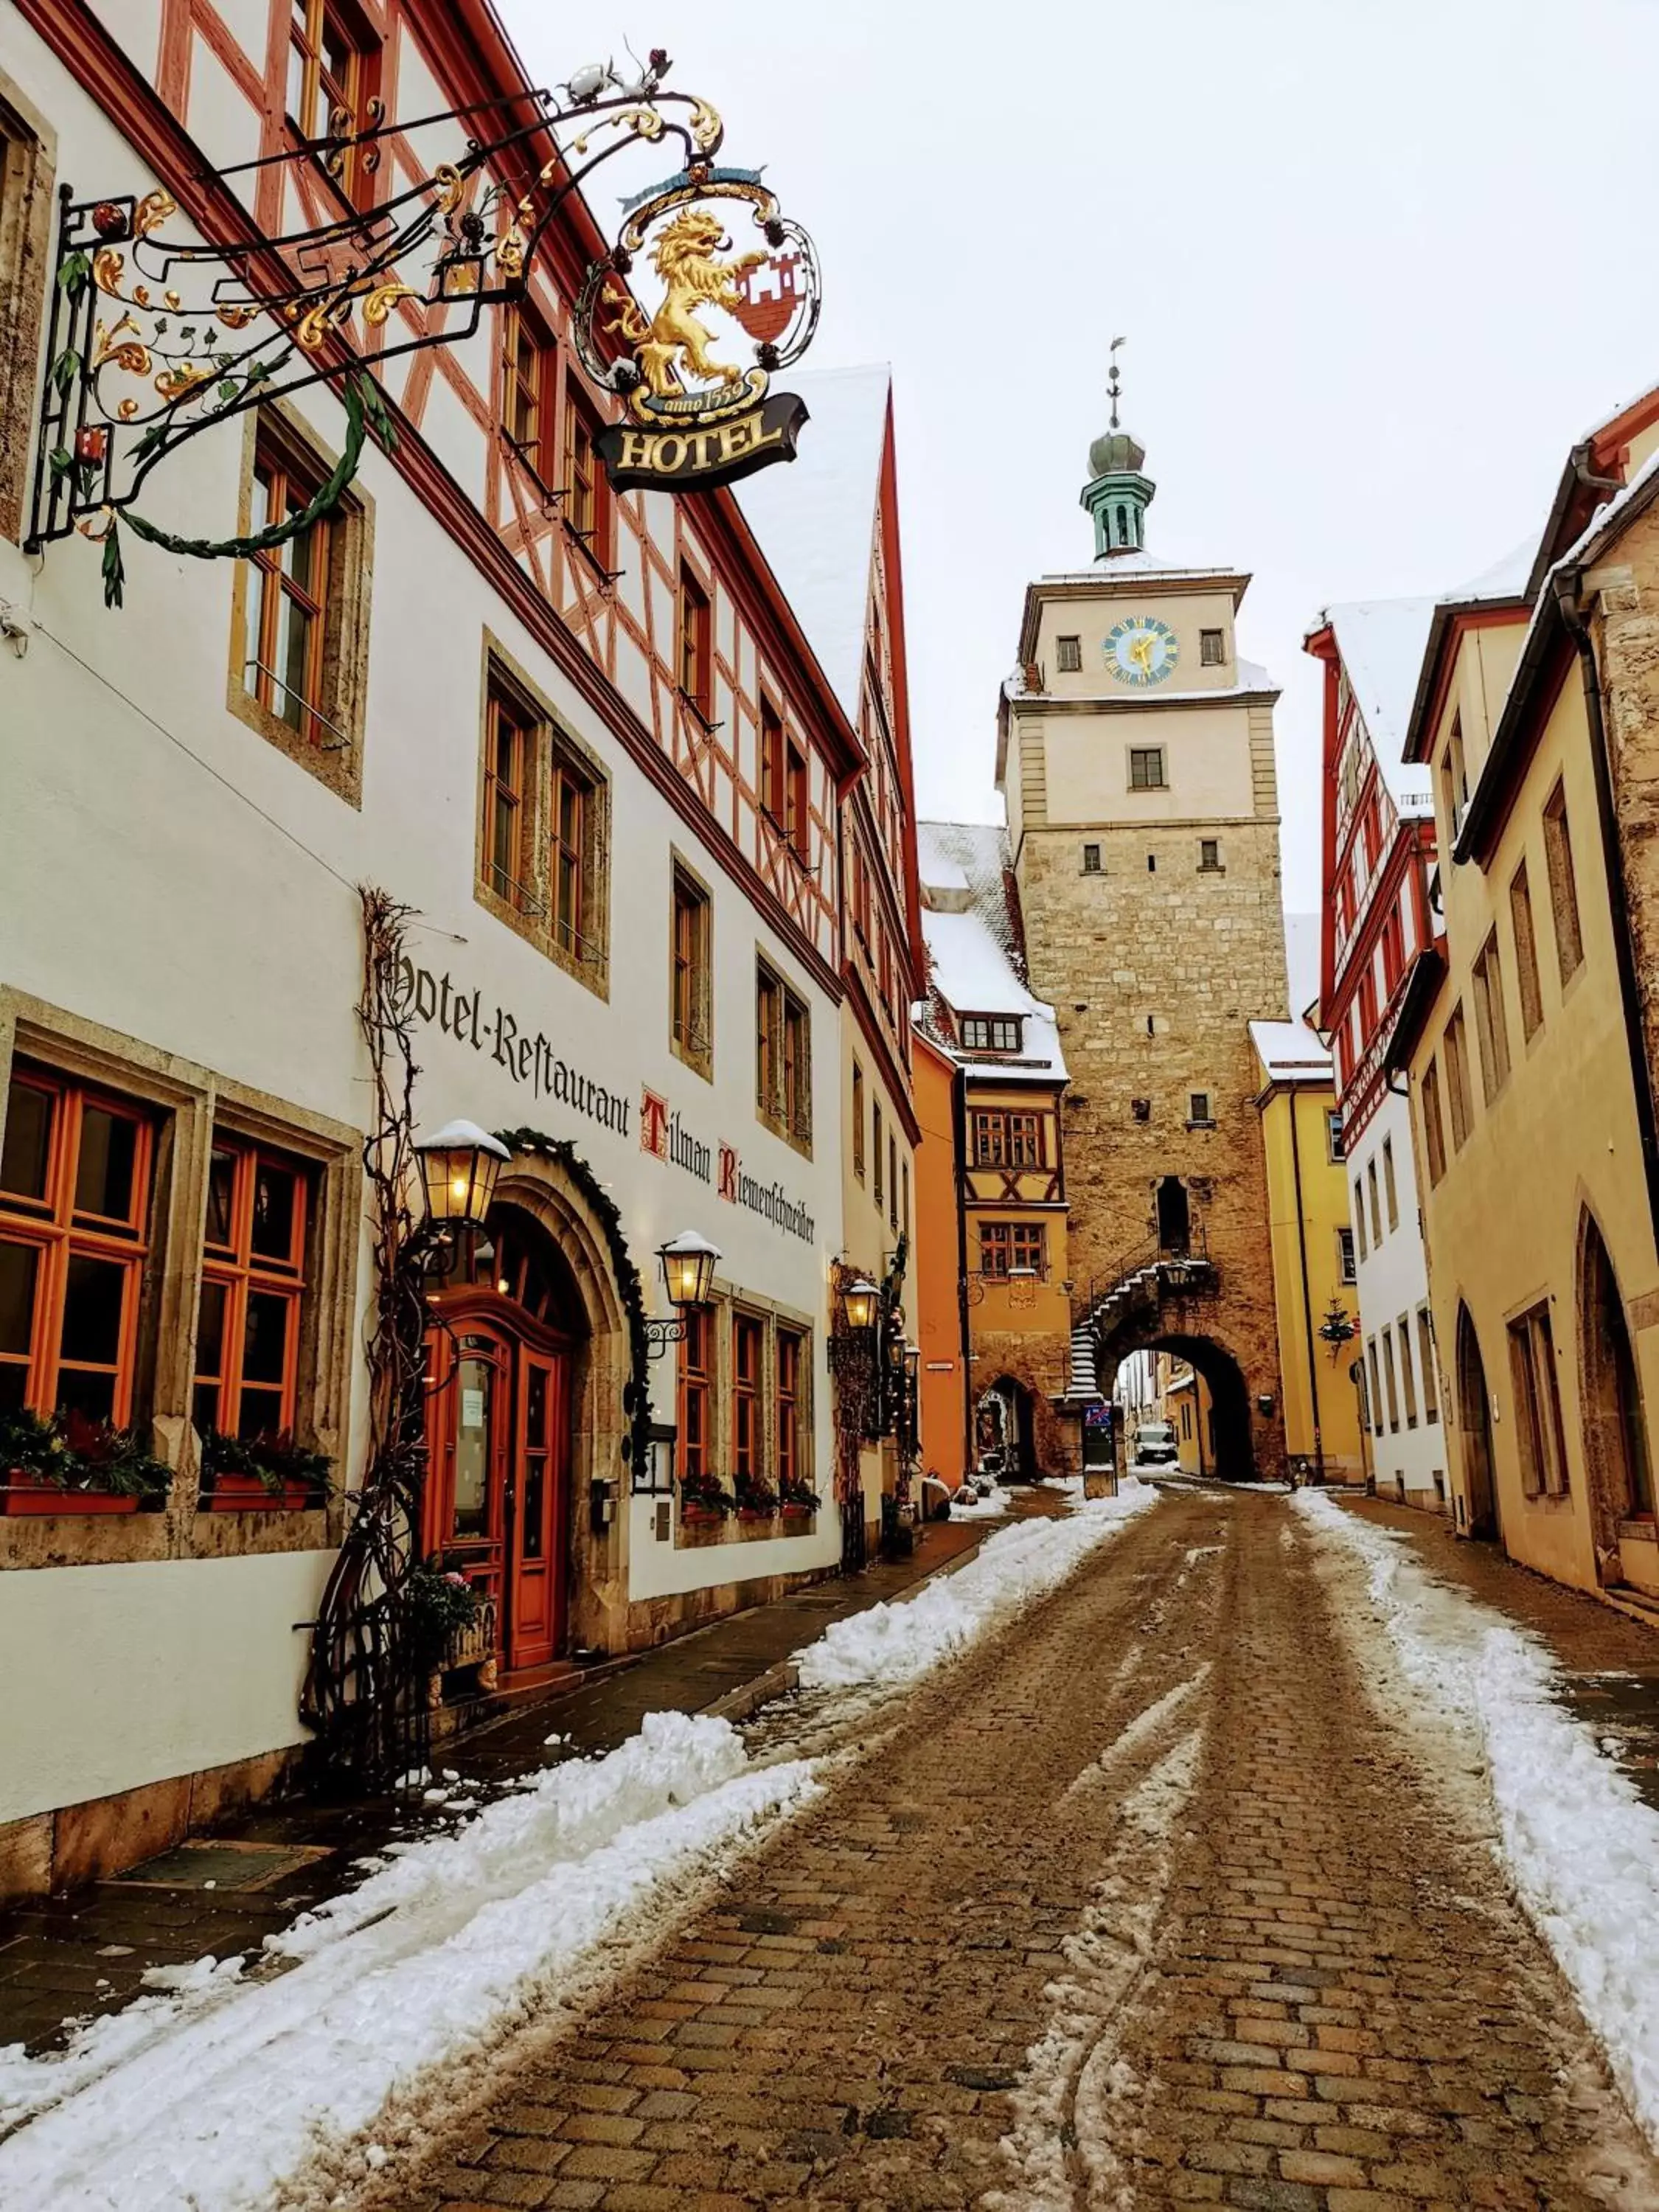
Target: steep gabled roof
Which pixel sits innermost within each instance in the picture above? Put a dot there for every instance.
(815, 519)
(976, 962)
(1381, 642)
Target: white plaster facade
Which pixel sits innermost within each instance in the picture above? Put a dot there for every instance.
(178, 895)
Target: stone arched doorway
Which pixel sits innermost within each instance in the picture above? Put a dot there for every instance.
(1616, 1454)
(1174, 1218)
(1004, 1430)
(1474, 1418)
(540, 1287)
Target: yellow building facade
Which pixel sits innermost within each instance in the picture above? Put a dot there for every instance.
(1530, 1071)
(1313, 1253)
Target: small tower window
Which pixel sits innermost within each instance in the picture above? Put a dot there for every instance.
(1123, 525)
(1209, 856)
(1091, 860)
(1212, 648)
(1198, 1110)
(1151, 864)
(1147, 768)
(1068, 655)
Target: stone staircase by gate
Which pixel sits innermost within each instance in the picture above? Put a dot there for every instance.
(1135, 1290)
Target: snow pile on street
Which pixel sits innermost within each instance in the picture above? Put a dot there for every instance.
(970, 1506)
(216, 2098)
(1581, 1847)
(892, 1644)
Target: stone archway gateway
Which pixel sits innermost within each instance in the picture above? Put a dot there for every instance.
(1228, 1449)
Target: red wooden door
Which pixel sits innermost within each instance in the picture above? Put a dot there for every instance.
(540, 1513)
(470, 1427)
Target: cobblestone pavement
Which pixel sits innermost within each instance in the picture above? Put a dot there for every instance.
(1139, 1904)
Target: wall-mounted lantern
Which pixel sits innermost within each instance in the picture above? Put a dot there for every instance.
(689, 1262)
(860, 1301)
(459, 1167)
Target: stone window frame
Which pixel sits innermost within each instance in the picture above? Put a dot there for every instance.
(727, 1303)
(1091, 862)
(589, 965)
(1068, 655)
(791, 1008)
(697, 1051)
(1136, 750)
(1195, 1119)
(28, 157)
(350, 549)
(1210, 862)
(190, 1103)
(1206, 657)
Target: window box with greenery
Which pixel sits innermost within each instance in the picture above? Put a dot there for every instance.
(69, 1464)
(757, 1499)
(796, 1501)
(262, 1474)
(704, 1498)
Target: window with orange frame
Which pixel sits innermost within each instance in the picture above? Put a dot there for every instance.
(789, 1455)
(75, 1223)
(253, 1286)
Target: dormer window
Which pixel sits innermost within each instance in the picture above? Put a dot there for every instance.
(991, 1032)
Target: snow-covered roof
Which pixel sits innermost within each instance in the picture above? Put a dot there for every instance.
(1142, 564)
(1504, 580)
(816, 520)
(1291, 1052)
(975, 962)
(1382, 643)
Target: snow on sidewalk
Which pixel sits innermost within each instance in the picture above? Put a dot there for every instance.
(1579, 1843)
(239, 2089)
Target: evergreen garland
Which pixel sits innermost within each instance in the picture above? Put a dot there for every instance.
(636, 1395)
(365, 409)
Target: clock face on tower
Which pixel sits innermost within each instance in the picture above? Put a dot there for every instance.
(1141, 650)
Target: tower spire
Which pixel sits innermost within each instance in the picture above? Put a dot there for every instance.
(1117, 495)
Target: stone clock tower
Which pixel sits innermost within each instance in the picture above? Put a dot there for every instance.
(1135, 755)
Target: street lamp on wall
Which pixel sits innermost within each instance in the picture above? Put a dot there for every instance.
(860, 1301)
(689, 1262)
(460, 1166)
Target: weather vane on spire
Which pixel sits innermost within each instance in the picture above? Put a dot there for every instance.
(1112, 384)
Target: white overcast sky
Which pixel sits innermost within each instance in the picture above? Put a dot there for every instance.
(1379, 263)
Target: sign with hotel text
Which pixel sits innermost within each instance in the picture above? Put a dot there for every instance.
(697, 459)
(663, 1134)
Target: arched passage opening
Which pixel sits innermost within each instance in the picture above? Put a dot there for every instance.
(1226, 1448)
(1005, 1423)
(1474, 1418)
(1615, 1429)
(505, 1354)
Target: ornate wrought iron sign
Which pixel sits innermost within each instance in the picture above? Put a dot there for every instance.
(696, 418)
(156, 337)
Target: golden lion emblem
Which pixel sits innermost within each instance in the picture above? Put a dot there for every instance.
(684, 257)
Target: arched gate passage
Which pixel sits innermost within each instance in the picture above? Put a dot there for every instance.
(1230, 1453)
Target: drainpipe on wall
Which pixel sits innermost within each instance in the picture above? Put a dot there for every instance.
(1630, 994)
(959, 1150)
(1307, 1295)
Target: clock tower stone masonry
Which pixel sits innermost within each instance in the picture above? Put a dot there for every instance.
(1135, 758)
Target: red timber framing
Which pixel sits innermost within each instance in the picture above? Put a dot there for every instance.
(1399, 873)
(881, 821)
(560, 585)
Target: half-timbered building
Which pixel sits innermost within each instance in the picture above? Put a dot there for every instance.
(586, 740)
(1378, 861)
(1012, 1171)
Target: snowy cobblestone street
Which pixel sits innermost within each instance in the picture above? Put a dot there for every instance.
(1137, 1902)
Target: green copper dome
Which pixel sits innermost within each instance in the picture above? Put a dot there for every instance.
(1115, 452)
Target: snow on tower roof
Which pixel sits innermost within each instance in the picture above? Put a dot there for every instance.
(816, 520)
(977, 964)
(1382, 643)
